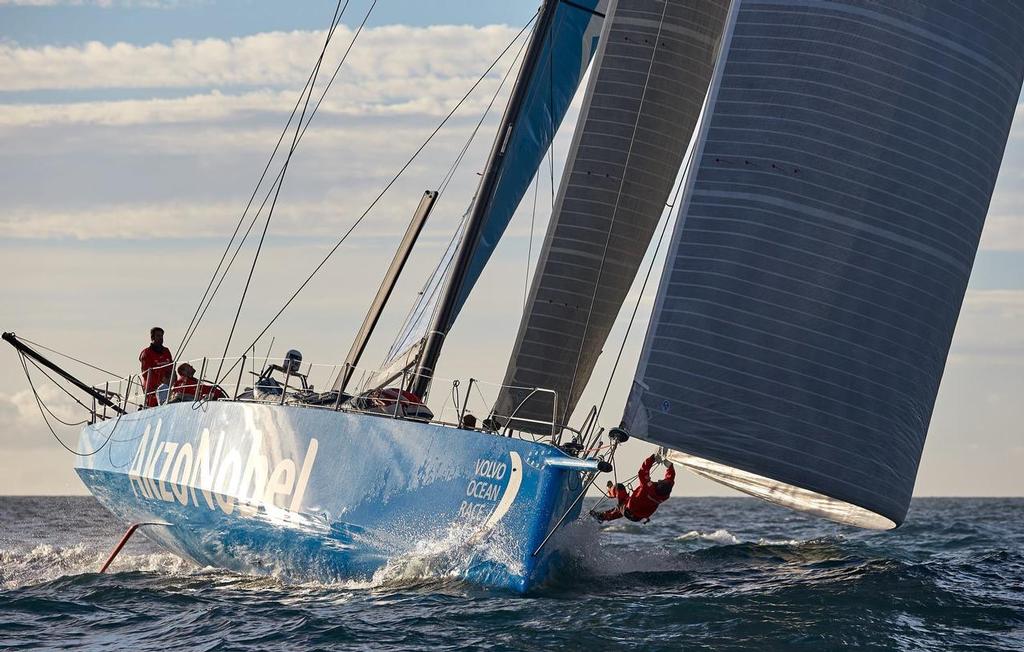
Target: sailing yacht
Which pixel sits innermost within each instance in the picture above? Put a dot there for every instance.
(839, 157)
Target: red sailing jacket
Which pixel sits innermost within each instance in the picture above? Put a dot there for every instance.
(644, 500)
(186, 388)
(156, 369)
(618, 492)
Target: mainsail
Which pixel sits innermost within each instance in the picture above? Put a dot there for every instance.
(650, 79)
(822, 254)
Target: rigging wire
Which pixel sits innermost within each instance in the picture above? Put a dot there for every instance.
(417, 309)
(388, 186)
(41, 405)
(50, 411)
(277, 180)
(196, 316)
(443, 266)
(301, 135)
(551, 172)
(615, 210)
(61, 388)
(472, 136)
(69, 357)
(280, 180)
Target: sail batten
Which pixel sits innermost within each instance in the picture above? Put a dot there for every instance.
(823, 248)
(650, 78)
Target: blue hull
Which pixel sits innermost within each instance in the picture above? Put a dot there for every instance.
(316, 494)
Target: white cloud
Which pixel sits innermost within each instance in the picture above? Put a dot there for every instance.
(1003, 233)
(396, 52)
(380, 98)
(191, 220)
(23, 424)
(989, 329)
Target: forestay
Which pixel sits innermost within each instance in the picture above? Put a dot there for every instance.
(650, 78)
(817, 271)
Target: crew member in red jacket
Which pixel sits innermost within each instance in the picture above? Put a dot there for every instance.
(189, 388)
(645, 499)
(618, 492)
(156, 362)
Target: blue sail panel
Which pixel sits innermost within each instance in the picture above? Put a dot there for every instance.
(567, 50)
(823, 251)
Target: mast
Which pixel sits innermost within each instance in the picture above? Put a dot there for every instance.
(387, 285)
(446, 308)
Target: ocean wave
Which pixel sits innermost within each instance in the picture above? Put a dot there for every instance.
(20, 567)
(718, 536)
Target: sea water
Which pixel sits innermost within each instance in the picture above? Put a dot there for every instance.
(706, 573)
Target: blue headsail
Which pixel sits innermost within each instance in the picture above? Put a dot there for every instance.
(556, 58)
(822, 254)
(566, 52)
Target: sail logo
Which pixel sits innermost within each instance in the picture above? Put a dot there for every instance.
(221, 479)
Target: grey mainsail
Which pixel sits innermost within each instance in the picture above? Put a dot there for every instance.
(650, 79)
(824, 247)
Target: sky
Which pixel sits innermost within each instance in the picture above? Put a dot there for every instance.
(133, 132)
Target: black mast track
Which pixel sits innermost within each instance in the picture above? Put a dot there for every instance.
(467, 248)
(29, 352)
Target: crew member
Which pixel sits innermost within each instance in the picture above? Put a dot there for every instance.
(156, 362)
(189, 388)
(618, 492)
(645, 499)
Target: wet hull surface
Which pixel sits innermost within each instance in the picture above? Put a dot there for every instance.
(317, 494)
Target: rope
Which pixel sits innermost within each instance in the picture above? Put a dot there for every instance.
(664, 229)
(615, 210)
(200, 311)
(69, 357)
(42, 406)
(61, 388)
(639, 298)
(387, 187)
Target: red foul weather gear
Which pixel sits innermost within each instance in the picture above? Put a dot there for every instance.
(156, 370)
(645, 499)
(619, 493)
(186, 389)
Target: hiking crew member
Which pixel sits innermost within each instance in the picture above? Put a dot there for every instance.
(189, 388)
(645, 499)
(156, 362)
